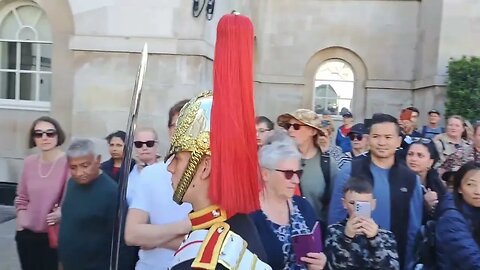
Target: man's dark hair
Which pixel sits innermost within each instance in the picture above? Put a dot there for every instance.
(117, 134)
(413, 109)
(175, 109)
(380, 118)
(358, 185)
(264, 120)
(56, 125)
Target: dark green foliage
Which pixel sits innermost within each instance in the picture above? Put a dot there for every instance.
(463, 92)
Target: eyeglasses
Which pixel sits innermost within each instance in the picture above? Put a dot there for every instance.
(49, 132)
(295, 126)
(289, 173)
(149, 144)
(354, 136)
(421, 140)
(262, 130)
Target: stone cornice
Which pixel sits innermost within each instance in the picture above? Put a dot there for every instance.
(196, 47)
(437, 80)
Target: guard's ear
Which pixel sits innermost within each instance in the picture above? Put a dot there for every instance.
(206, 168)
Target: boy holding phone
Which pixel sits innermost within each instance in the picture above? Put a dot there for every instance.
(358, 242)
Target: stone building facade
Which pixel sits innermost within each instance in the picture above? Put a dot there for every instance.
(76, 60)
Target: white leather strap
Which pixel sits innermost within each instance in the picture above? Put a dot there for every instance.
(189, 248)
(233, 255)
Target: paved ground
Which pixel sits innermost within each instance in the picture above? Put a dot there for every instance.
(8, 251)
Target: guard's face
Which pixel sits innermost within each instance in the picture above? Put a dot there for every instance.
(178, 165)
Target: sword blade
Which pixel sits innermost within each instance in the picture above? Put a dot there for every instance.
(127, 161)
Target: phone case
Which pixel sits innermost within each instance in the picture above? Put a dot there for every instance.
(305, 243)
(363, 209)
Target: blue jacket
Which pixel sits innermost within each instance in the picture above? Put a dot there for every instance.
(455, 246)
(400, 212)
(343, 141)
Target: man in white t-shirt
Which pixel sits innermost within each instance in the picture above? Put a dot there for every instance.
(154, 221)
(166, 222)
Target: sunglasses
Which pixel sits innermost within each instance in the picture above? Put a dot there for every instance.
(49, 132)
(295, 126)
(354, 136)
(149, 144)
(421, 140)
(289, 173)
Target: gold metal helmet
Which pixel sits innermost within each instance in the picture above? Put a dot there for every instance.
(192, 135)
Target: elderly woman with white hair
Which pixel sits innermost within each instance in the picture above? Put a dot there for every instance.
(284, 216)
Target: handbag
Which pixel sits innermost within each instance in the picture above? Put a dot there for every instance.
(54, 229)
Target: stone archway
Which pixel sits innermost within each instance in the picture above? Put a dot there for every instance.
(358, 105)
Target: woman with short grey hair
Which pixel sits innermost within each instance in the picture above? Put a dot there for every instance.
(284, 215)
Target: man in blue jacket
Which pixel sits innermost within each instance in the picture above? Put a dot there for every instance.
(396, 188)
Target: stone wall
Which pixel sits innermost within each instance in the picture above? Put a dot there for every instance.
(398, 50)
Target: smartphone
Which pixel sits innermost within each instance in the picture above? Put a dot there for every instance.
(363, 209)
(305, 243)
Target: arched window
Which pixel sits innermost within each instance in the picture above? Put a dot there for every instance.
(333, 91)
(25, 55)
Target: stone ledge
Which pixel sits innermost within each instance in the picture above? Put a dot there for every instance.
(135, 45)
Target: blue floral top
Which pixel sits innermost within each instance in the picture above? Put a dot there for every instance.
(276, 238)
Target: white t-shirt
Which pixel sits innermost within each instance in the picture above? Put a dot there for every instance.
(152, 192)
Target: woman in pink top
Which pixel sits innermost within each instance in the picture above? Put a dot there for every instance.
(39, 191)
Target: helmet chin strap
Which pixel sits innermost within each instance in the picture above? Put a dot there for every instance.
(187, 177)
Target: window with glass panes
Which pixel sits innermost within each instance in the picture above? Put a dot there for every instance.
(333, 91)
(25, 54)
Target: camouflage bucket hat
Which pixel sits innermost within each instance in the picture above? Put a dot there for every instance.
(306, 117)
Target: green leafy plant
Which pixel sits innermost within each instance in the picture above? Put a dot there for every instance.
(463, 92)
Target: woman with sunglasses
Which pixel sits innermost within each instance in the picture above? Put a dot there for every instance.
(320, 169)
(458, 225)
(283, 215)
(358, 138)
(116, 143)
(39, 193)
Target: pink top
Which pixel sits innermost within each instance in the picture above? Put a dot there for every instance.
(41, 187)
